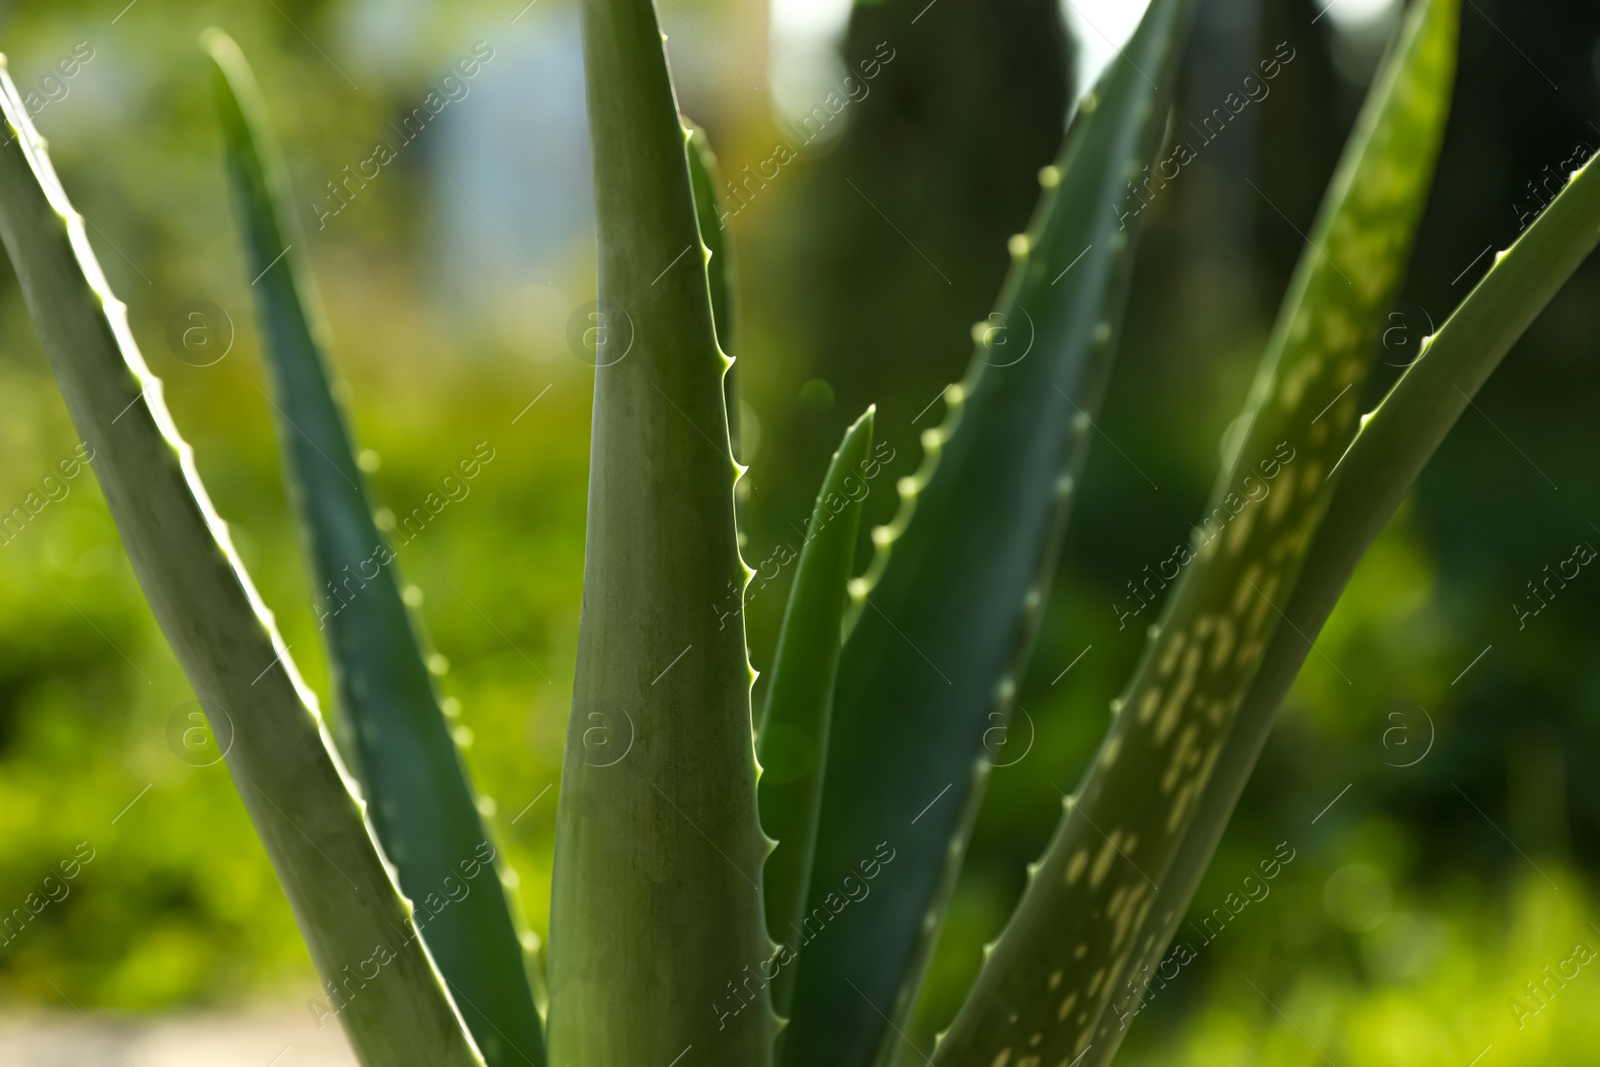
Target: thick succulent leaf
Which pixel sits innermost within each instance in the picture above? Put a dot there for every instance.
(1373, 477)
(794, 725)
(377, 972)
(944, 624)
(1090, 905)
(656, 911)
(420, 801)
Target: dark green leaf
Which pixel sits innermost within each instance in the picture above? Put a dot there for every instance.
(947, 621)
(794, 727)
(419, 799)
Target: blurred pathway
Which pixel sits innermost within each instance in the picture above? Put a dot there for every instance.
(279, 1035)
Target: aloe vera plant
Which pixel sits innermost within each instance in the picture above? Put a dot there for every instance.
(703, 858)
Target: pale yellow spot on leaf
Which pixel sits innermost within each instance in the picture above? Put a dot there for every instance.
(1223, 643)
(1180, 693)
(1169, 655)
(1282, 495)
(1102, 861)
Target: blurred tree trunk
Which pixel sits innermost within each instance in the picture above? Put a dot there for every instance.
(900, 227)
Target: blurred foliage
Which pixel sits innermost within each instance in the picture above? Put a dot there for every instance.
(1418, 904)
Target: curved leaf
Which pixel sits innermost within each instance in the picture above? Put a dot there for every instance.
(1383, 462)
(945, 623)
(421, 803)
(720, 270)
(1107, 891)
(345, 901)
(794, 726)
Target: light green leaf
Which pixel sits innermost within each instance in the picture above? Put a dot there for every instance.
(946, 623)
(1108, 890)
(656, 914)
(421, 803)
(794, 726)
(379, 979)
(721, 272)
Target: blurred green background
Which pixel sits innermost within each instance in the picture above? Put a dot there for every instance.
(1459, 855)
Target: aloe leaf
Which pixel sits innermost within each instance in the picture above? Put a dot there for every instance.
(420, 801)
(657, 931)
(794, 725)
(378, 976)
(945, 623)
(705, 176)
(1375, 474)
(1108, 889)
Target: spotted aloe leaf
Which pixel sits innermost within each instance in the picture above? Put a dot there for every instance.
(420, 800)
(944, 624)
(1377, 471)
(794, 725)
(379, 978)
(656, 912)
(1099, 899)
